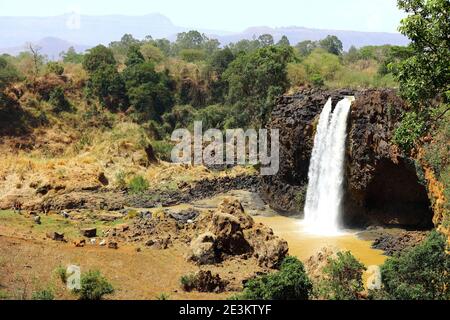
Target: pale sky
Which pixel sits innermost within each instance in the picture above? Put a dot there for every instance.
(231, 15)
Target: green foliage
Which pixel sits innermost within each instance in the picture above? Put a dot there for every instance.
(8, 73)
(138, 184)
(409, 131)
(61, 273)
(290, 283)
(422, 273)
(149, 92)
(426, 74)
(55, 67)
(300, 198)
(163, 150)
(163, 297)
(188, 282)
(94, 286)
(71, 56)
(343, 278)
(256, 79)
(120, 180)
(437, 153)
(192, 55)
(58, 100)
(108, 86)
(46, 295)
(98, 58)
(332, 45)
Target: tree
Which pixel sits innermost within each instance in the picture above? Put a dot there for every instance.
(149, 92)
(55, 67)
(305, 48)
(256, 79)
(107, 84)
(190, 40)
(332, 44)
(290, 283)
(284, 41)
(426, 74)
(266, 40)
(126, 42)
(134, 56)
(71, 56)
(97, 58)
(343, 278)
(219, 62)
(422, 273)
(8, 73)
(38, 59)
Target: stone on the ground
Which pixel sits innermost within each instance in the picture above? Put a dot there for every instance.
(113, 245)
(56, 236)
(203, 249)
(89, 232)
(374, 278)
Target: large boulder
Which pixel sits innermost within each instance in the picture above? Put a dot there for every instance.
(203, 249)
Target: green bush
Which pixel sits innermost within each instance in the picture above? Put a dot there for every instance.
(188, 282)
(120, 180)
(62, 274)
(421, 273)
(411, 128)
(138, 184)
(290, 283)
(55, 67)
(163, 150)
(58, 100)
(94, 286)
(343, 279)
(43, 295)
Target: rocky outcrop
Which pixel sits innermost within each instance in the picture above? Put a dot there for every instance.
(232, 232)
(382, 186)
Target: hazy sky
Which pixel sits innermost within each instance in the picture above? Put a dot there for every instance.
(231, 15)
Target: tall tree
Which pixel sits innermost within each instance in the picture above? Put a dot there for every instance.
(426, 73)
(332, 44)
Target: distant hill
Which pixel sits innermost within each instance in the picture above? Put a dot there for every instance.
(50, 46)
(298, 34)
(57, 33)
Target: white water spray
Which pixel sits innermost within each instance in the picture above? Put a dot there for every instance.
(326, 171)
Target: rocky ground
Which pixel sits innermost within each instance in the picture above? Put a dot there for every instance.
(217, 242)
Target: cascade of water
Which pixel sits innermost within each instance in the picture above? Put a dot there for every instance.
(326, 171)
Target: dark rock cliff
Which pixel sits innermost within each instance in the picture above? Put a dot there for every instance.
(381, 184)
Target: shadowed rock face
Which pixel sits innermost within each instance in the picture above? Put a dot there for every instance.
(381, 184)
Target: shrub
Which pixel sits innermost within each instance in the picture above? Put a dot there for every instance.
(120, 180)
(55, 67)
(421, 273)
(317, 80)
(94, 286)
(188, 282)
(43, 295)
(290, 283)
(163, 150)
(343, 278)
(138, 185)
(410, 130)
(58, 100)
(163, 297)
(62, 274)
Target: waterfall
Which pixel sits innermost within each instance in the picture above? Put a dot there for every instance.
(326, 171)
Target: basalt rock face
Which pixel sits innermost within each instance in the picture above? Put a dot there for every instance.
(381, 184)
(296, 117)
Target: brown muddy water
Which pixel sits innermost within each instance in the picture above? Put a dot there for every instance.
(304, 245)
